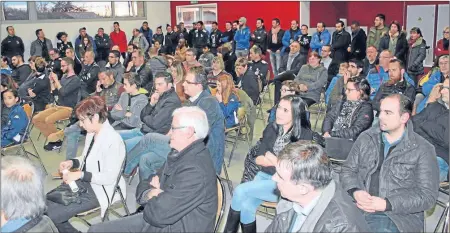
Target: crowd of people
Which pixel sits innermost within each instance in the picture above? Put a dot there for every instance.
(160, 105)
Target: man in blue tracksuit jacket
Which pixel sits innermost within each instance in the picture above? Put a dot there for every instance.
(320, 38)
(147, 32)
(289, 36)
(242, 38)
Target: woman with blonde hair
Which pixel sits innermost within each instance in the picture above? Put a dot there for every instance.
(228, 99)
(218, 69)
(178, 73)
(442, 44)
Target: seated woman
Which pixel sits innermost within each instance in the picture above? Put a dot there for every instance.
(350, 117)
(333, 94)
(178, 73)
(228, 99)
(17, 120)
(5, 66)
(289, 87)
(291, 125)
(100, 165)
(6, 84)
(218, 69)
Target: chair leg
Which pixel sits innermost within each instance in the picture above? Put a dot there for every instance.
(319, 113)
(443, 219)
(132, 177)
(234, 146)
(39, 136)
(229, 183)
(124, 202)
(36, 155)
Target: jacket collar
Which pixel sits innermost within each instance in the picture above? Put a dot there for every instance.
(202, 95)
(409, 140)
(193, 149)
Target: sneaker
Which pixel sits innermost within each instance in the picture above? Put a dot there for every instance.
(53, 146)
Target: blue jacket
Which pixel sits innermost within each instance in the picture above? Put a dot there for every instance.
(318, 41)
(377, 77)
(287, 39)
(17, 123)
(7, 71)
(148, 37)
(331, 86)
(434, 79)
(230, 111)
(216, 136)
(242, 38)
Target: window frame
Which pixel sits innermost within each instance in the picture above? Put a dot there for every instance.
(200, 6)
(32, 16)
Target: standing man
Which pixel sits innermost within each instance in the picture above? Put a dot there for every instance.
(259, 36)
(12, 44)
(227, 35)
(200, 39)
(304, 40)
(139, 40)
(191, 35)
(140, 68)
(357, 48)
(320, 38)
(214, 38)
(41, 46)
(103, 44)
(79, 40)
(242, 38)
(341, 41)
(377, 31)
(119, 38)
(290, 36)
(147, 33)
(275, 45)
(391, 171)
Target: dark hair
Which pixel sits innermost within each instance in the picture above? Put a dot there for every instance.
(37, 31)
(200, 76)
(304, 25)
(362, 85)
(397, 24)
(56, 51)
(215, 23)
(236, 21)
(260, 19)
(159, 27)
(69, 61)
(133, 79)
(228, 22)
(381, 16)
(359, 63)
(292, 85)
(91, 106)
(323, 24)
(116, 23)
(168, 25)
(406, 105)
(400, 62)
(101, 29)
(299, 116)
(83, 28)
(355, 23)
(277, 20)
(145, 22)
(7, 81)
(18, 56)
(7, 28)
(13, 91)
(200, 22)
(60, 34)
(417, 30)
(307, 162)
(340, 22)
(166, 75)
(7, 60)
(115, 52)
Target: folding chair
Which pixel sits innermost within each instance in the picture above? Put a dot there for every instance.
(221, 203)
(268, 206)
(117, 189)
(237, 133)
(266, 89)
(320, 110)
(26, 139)
(444, 219)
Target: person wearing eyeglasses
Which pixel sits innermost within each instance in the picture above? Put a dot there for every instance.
(139, 67)
(442, 44)
(115, 66)
(55, 62)
(432, 124)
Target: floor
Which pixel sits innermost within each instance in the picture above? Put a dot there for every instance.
(52, 160)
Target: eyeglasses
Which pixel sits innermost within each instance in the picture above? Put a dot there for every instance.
(189, 82)
(175, 128)
(446, 32)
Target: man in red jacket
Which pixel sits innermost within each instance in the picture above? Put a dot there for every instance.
(119, 38)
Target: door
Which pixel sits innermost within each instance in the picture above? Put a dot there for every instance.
(423, 17)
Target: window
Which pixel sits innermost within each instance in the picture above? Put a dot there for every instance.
(129, 9)
(15, 10)
(73, 10)
(193, 13)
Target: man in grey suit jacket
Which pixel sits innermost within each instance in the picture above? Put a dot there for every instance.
(41, 46)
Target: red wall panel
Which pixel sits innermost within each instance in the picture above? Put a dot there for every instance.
(328, 12)
(365, 12)
(230, 10)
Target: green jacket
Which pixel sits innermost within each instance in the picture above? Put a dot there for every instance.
(374, 35)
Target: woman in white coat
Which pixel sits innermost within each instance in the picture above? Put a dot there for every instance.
(99, 166)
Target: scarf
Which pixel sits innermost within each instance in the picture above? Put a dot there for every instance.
(344, 119)
(411, 41)
(275, 34)
(282, 140)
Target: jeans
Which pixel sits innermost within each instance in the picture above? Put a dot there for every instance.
(443, 169)
(72, 134)
(380, 222)
(131, 137)
(275, 60)
(248, 196)
(241, 53)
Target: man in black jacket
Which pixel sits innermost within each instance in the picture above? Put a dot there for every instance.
(432, 124)
(191, 33)
(259, 36)
(142, 69)
(115, 66)
(20, 71)
(103, 45)
(214, 38)
(181, 197)
(357, 48)
(12, 44)
(340, 42)
(89, 74)
(304, 39)
(200, 39)
(228, 34)
(275, 44)
(55, 62)
(247, 79)
(258, 65)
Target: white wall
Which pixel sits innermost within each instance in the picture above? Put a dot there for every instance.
(158, 13)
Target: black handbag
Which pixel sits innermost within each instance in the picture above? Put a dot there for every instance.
(250, 166)
(63, 194)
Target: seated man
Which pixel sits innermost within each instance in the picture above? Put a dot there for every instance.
(20, 71)
(313, 202)
(247, 80)
(139, 67)
(257, 65)
(289, 68)
(150, 138)
(336, 89)
(206, 58)
(23, 197)
(432, 124)
(396, 84)
(115, 66)
(391, 171)
(312, 78)
(68, 92)
(157, 63)
(89, 74)
(185, 200)
(191, 61)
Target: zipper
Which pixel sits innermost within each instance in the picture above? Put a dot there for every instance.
(109, 202)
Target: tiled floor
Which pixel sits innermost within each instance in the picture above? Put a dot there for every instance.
(52, 160)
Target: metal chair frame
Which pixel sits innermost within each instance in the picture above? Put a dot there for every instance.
(221, 203)
(444, 219)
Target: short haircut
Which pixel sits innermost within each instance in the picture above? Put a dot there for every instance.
(71, 50)
(56, 51)
(356, 23)
(69, 61)
(91, 106)
(90, 53)
(166, 75)
(256, 49)
(22, 184)
(406, 105)
(199, 74)
(314, 54)
(381, 16)
(108, 72)
(236, 21)
(323, 24)
(260, 19)
(145, 22)
(215, 23)
(133, 79)
(193, 117)
(116, 23)
(373, 47)
(18, 56)
(228, 22)
(327, 45)
(200, 22)
(359, 64)
(340, 22)
(116, 53)
(277, 20)
(101, 29)
(242, 61)
(192, 50)
(37, 31)
(402, 65)
(307, 162)
(387, 51)
(7, 28)
(361, 84)
(304, 25)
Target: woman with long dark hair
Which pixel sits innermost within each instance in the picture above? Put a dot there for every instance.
(63, 43)
(291, 125)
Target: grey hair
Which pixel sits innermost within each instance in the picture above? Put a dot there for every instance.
(193, 117)
(22, 184)
(307, 162)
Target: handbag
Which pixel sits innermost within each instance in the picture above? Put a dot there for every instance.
(250, 166)
(63, 194)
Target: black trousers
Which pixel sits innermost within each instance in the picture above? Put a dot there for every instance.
(60, 214)
(131, 224)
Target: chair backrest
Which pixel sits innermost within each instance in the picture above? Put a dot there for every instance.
(116, 184)
(29, 110)
(220, 203)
